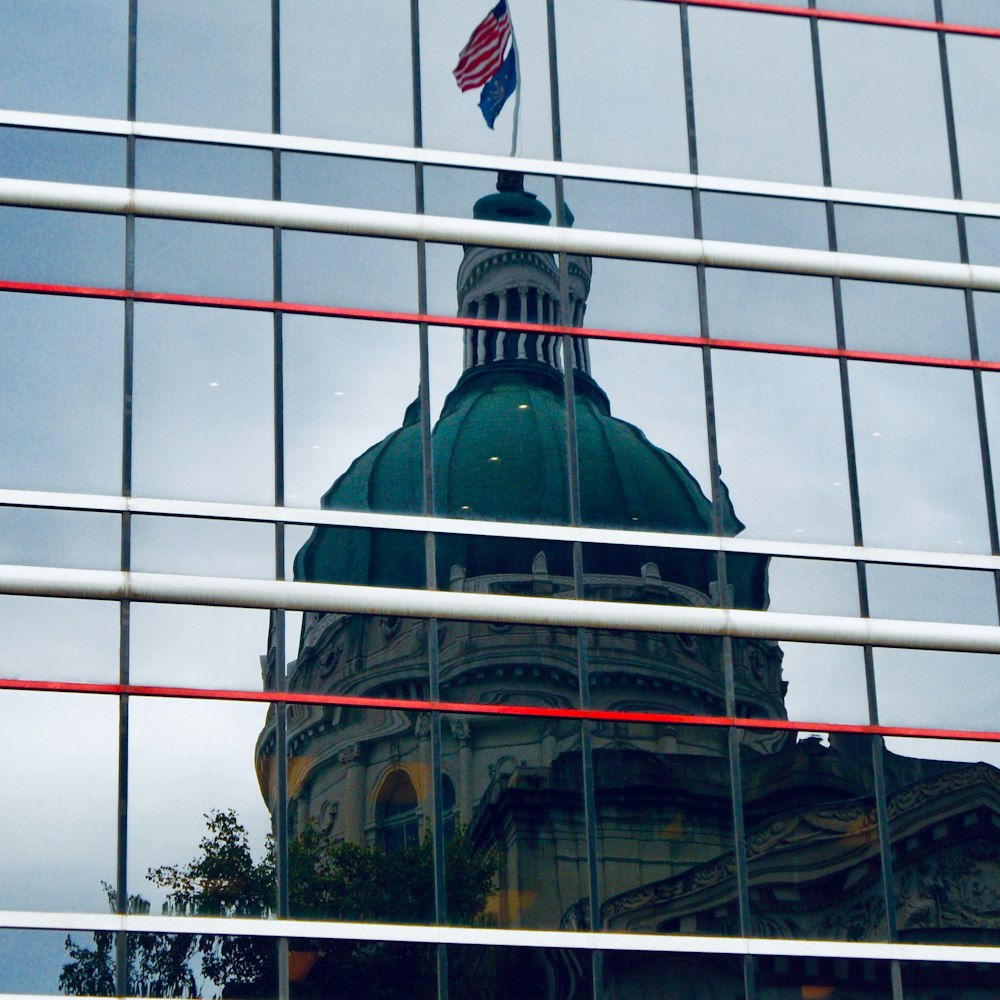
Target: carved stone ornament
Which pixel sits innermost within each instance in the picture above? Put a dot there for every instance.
(958, 888)
(328, 816)
(460, 728)
(422, 727)
(351, 754)
(390, 626)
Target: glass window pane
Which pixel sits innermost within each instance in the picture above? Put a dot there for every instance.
(984, 239)
(64, 248)
(485, 971)
(885, 109)
(641, 974)
(331, 269)
(664, 814)
(779, 976)
(739, 218)
(905, 319)
(61, 782)
(68, 538)
(500, 441)
(73, 157)
(60, 639)
(942, 821)
(914, 10)
(65, 57)
(359, 812)
(632, 112)
(643, 447)
(203, 547)
(345, 70)
(981, 12)
(770, 308)
(455, 191)
(526, 798)
(812, 586)
(192, 762)
(643, 296)
(893, 232)
(61, 393)
(203, 258)
(204, 64)
(32, 961)
(987, 309)
(350, 388)
(960, 982)
(781, 445)
(972, 66)
(189, 166)
(632, 208)
(937, 689)
(825, 683)
(919, 468)
(928, 594)
(754, 98)
(344, 180)
(810, 877)
(203, 393)
(179, 645)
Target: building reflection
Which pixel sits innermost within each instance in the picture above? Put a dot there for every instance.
(665, 828)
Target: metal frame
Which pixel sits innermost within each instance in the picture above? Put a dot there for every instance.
(482, 161)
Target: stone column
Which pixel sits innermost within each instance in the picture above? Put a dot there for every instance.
(502, 316)
(353, 802)
(462, 732)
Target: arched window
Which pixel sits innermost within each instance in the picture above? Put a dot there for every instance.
(396, 813)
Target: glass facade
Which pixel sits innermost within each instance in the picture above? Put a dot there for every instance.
(429, 572)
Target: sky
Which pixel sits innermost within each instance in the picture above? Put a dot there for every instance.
(203, 426)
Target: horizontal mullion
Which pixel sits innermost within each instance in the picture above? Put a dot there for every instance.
(480, 710)
(485, 936)
(476, 232)
(483, 161)
(568, 613)
(851, 17)
(113, 504)
(463, 322)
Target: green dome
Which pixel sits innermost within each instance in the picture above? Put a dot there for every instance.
(499, 454)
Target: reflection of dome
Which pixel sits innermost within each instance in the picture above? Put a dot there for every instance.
(499, 451)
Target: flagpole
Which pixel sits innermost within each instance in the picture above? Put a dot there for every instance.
(517, 89)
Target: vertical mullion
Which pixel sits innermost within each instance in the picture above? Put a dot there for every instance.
(430, 541)
(715, 485)
(878, 768)
(121, 875)
(573, 500)
(278, 617)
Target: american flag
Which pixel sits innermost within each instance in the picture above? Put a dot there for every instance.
(483, 53)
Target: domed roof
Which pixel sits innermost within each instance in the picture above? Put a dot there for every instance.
(499, 454)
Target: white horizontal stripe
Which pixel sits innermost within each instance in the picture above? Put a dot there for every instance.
(296, 596)
(493, 529)
(440, 229)
(482, 161)
(420, 933)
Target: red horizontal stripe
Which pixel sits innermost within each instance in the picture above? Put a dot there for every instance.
(473, 708)
(836, 15)
(389, 316)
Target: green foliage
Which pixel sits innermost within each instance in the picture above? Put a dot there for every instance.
(327, 880)
(158, 966)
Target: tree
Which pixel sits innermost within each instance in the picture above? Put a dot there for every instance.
(158, 966)
(327, 880)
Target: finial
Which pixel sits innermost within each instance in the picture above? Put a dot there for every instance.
(510, 181)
